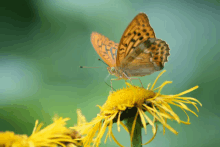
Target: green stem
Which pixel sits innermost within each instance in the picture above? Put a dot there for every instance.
(137, 138)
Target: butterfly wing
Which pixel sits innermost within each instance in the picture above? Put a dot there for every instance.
(138, 31)
(105, 48)
(147, 58)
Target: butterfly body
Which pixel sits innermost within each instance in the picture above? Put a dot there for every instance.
(139, 52)
(143, 60)
(126, 73)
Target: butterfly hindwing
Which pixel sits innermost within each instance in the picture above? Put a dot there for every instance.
(138, 31)
(105, 48)
(152, 54)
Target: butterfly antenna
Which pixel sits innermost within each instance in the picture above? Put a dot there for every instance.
(93, 67)
(87, 67)
(103, 62)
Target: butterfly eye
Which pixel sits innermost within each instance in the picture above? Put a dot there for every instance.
(112, 69)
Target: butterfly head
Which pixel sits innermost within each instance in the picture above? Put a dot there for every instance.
(111, 70)
(117, 72)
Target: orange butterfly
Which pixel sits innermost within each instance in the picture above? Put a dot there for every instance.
(139, 52)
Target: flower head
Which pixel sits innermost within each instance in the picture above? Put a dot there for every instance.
(140, 100)
(51, 136)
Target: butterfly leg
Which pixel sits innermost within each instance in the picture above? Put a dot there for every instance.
(136, 79)
(133, 78)
(148, 86)
(130, 81)
(107, 83)
(127, 78)
(111, 83)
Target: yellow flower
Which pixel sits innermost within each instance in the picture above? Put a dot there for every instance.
(150, 100)
(51, 136)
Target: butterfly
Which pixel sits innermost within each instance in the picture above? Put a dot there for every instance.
(138, 53)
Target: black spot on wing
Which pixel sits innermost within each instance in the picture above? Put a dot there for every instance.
(132, 40)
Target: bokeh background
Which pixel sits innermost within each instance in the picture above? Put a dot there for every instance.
(43, 43)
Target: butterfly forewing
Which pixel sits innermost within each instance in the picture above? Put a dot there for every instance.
(138, 31)
(106, 48)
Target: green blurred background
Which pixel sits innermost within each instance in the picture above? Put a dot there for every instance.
(43, 43)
